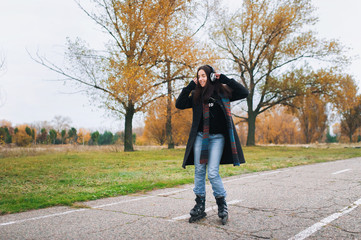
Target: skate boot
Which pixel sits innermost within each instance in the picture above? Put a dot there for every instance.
(222, 209)
(197, 212)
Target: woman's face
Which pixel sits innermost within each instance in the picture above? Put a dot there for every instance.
(202, 77)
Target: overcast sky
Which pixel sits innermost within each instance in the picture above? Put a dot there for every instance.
(27, 93)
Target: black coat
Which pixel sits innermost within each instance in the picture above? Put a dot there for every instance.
(185, 100)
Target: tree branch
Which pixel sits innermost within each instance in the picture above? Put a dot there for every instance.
(101, 24)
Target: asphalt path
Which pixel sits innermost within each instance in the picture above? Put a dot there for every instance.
(318, 201)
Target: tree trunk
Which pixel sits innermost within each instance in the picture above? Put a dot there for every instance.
(168, 127)
(251, 129)
(169, 123)
(350, 136)
(307, 134)
(128, 130)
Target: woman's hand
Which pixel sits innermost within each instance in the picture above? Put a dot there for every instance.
(218, 75)
(195, 80)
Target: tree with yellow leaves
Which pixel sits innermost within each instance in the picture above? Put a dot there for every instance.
(123, 76)
(180, 53)
(310, 107)
(23, 135)
(83, 136)
(264, 40)
(155, 131)
(348, 105)
(312, 115)
(178, 61)
(278, 127)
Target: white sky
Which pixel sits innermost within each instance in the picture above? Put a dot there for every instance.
(27, 94)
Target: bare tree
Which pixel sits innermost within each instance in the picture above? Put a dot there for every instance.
(61, 123)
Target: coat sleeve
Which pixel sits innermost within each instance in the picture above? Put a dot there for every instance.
(185, 99)
(238, 90)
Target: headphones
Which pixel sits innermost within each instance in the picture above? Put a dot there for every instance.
(212, 76)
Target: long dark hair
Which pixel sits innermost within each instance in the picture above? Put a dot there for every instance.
(202, 94)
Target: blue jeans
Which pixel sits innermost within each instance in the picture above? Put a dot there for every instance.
(215, 149)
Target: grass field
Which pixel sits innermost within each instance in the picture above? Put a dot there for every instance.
(32, 180)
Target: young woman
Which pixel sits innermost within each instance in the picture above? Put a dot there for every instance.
(213, 139)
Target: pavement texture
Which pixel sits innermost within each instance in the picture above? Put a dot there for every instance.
(319, 201)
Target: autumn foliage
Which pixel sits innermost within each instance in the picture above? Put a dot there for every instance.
(348, 105)
(155, 124)
(84, 136)
(23, 135)
(277, 126)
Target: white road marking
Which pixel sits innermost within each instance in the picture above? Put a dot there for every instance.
(178, 191)
(206, 210)
(317, 226)
(73, 211)
(41, 217)
(272, 172)
(124, 201)
(237, 179)
(256, 175)
(342, 171)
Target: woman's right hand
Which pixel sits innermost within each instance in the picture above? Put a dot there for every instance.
(195, 80)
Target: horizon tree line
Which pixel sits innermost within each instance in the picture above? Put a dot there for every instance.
(28, 134)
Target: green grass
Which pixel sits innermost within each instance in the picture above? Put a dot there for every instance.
(63, 178)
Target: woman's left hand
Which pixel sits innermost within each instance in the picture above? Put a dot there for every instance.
(218, 75)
